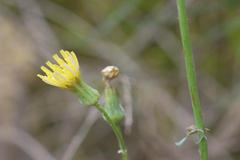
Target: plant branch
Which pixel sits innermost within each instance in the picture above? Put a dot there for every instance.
(192, 83)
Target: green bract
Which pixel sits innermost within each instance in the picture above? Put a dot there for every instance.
(112, 107)
(87, 95)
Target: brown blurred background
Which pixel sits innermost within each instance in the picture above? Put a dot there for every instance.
(141, 37)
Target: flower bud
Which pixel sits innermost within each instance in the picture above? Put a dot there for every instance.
(112, 107)
(87, 95)
(109, 73)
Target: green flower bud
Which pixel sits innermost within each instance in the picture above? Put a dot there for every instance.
(86, 94)
(112, 107)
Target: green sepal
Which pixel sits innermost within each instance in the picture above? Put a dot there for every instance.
(87, 95)
(112, 107)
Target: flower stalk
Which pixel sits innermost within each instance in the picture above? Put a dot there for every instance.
(113, 112)
(192, 83)
(116, 130)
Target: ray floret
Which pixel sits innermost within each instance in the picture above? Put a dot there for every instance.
(65, 74)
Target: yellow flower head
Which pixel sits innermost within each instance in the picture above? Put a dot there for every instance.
(64, 75)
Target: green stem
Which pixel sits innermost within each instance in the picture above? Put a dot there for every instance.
(116, 130)
(192, 83)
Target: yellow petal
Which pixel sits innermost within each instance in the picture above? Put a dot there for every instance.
(70, 62)
(47, 80)
(59, 60)
(59, 79)
(74, 57)
(40, 76)
(47, 71)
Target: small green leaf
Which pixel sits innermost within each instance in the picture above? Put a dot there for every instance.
(180, 143)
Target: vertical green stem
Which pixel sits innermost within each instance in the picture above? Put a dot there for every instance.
(192, 83)
(117, 131)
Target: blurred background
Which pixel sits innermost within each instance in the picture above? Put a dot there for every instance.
(42, 122)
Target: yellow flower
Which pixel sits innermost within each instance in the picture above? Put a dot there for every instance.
(64, 75)
(67, 75)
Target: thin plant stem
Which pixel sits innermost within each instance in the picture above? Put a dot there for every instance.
(117, 131)
(192, 83)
